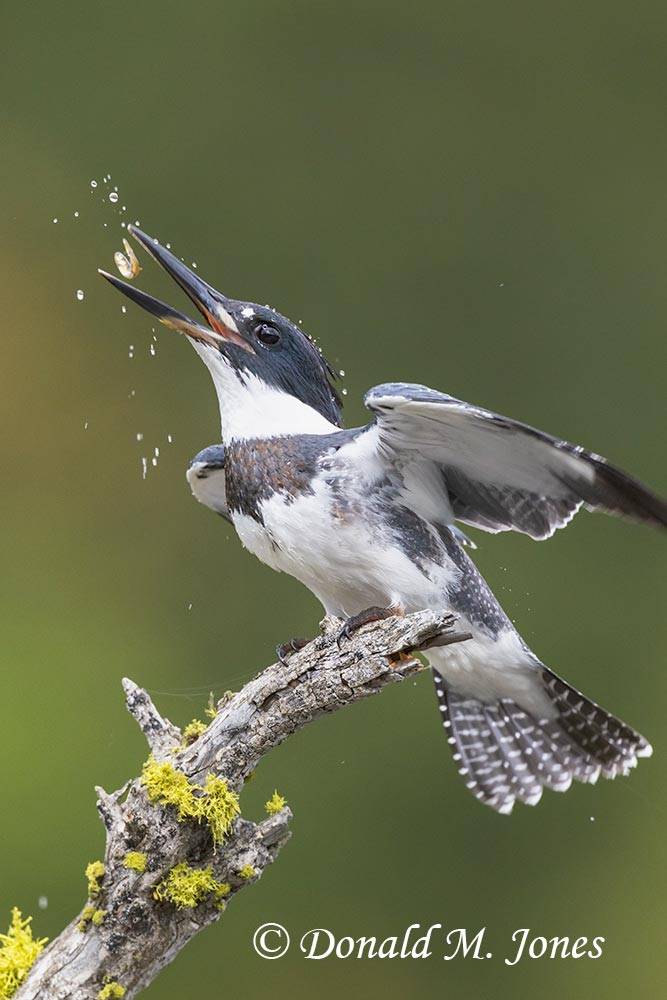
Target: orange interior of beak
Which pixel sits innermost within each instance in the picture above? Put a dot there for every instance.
(216, 324)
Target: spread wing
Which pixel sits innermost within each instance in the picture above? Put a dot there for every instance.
(500, 474)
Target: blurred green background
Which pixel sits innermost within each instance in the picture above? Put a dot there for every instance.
(466, 194)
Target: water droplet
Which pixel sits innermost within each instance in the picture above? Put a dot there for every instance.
(168, 246)
(157, 452)
(343, 392)
(154, 461)
(123, 309)
(190, 606)
(342, 373)
(132, 393)
(144, 466)
(140, 436)
(55, 220)
(93, 184)
(113, 197)
(194, 264)
(136, 222)
(104, 224)
(76, 215)
(85, 425)
(170, 439)
(152, 350)
(124, 209)
(43, 902)
(80, 294)
(131, 351)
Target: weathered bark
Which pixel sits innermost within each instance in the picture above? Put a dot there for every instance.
(140, 935)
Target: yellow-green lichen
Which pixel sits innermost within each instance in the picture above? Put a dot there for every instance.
(94, 874)
(193, 731)
(112, 991)
(275, 804)
(86, 916)
(136, 861)
(90, 915)
(18, 952)
(219, 806)
(214, 706)
(187, 887)
(247, 871)
(169, 787)
(213, 803)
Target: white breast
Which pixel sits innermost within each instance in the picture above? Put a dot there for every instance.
(346, 559)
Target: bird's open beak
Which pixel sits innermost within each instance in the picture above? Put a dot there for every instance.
(221, 327)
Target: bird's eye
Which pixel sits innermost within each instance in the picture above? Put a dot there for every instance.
(267, 335)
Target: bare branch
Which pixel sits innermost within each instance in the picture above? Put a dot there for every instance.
(133, 934)
(160, 734)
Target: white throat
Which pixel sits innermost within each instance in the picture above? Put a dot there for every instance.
(249, 408)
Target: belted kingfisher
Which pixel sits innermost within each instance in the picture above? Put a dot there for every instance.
(365, 518)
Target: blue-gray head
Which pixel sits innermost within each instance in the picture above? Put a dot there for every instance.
(269, 375)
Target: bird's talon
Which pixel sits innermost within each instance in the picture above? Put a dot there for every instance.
(343, 634)
(355, 622)
(285, 649)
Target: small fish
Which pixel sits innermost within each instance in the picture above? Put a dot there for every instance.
(127, 262)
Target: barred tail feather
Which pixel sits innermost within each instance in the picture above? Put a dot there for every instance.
(614, 745)
(504, 753)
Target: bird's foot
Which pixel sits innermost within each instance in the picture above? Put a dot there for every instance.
(285, 649)
(356, 622)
